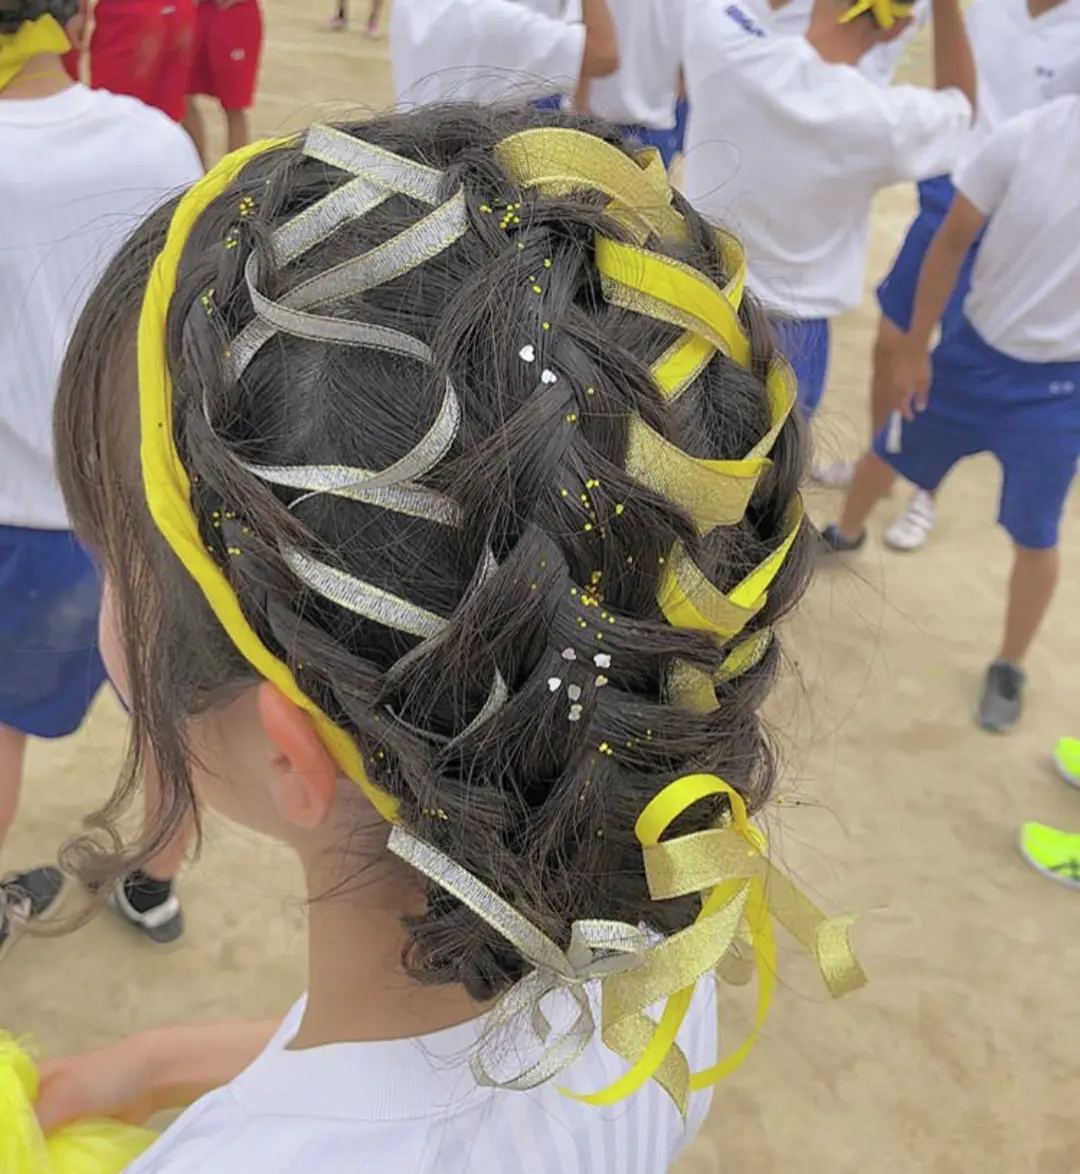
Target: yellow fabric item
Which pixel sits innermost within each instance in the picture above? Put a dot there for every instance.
(35, 38)
(168, 490)
(886, 12)
(85, 1147)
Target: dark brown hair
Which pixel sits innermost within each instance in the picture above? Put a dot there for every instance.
(525, 801)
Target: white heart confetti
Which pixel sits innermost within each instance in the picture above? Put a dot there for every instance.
(574, 692)
(569, 654)
(548, 376)
(602, 660)
(528, 353)
(575, 713)
(554, 684)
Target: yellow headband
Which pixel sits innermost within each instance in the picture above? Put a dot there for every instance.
(33, 38)
(886, 12)
(741, 892)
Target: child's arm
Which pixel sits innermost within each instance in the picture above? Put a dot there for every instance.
(937, 280)
(954, 63)
(168, 1068)
(601, 42)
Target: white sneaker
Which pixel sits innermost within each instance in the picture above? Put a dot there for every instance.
(835, 475)
(912, 528)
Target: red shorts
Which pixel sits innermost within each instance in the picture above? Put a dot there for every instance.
(227, 53)
(144, 48)
(72, 63)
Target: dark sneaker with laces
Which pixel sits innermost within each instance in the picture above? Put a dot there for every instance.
(1003, 697)
(149, 906)
(837, 543)
(25, 897)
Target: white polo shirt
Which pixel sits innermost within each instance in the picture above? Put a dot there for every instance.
(879, 65)
(482, 51)
(788, 151)
(645, 89)
(1025, 288)
(90, 166)
(412, 1107)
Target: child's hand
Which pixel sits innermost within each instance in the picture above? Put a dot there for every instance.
(910, 378)
(116, 1082)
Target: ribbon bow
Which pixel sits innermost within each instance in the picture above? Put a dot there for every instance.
(886, 12)
(742, 894)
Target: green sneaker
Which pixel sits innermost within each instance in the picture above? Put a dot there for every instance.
(1055, 854)
(1067, 760)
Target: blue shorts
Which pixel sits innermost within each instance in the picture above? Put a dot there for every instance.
(665, 141)
(805, 344)
(50, 595)
(555, 102)
(896, 293)
(1026, 414)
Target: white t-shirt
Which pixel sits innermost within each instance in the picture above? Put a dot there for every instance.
(788, 151)
(412, 1107)
(879, 65)
(645, 88)
(1025, 288)
(90, 166)
(481, 51)
(1022, 61)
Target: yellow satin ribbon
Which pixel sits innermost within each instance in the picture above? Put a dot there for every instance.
(33, 38)
(886, 12)
(168, 489)
(744, 894)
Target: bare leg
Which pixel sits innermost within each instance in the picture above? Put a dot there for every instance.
(194, 125)
(374, 16)
(236, 129)
(1031, 588)
(888, 338)
(12, 757)
(872, 481)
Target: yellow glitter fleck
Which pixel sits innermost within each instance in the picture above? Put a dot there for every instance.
(619, 509)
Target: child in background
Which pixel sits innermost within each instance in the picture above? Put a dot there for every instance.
(228, 47)
(1005, 377)
(1025, 54)
(340, 20)
(498, 50)
(144, 48)
(92, 165)
(791, 18)
(789, 144)
(400, 575)
(643, 94)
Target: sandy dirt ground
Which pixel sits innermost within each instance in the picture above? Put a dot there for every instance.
(961, 1054)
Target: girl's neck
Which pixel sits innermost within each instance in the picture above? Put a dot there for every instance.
(358, 991)
(41, 77)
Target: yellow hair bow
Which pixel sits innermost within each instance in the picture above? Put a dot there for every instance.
(33, 38)
(885, 12)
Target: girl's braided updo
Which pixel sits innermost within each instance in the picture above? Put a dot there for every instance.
(539, 800)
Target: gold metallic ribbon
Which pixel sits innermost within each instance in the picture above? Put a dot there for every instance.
(557, 161)
(886, 12)
(33, 38)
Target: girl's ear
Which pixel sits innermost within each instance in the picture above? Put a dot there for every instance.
(305, 775)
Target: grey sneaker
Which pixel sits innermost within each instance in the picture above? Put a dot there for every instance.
(838, 544)
(24, 897)
(1003, 697)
